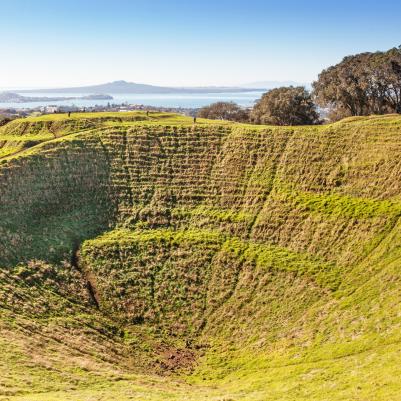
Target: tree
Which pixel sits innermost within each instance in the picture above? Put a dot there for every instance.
(4, 120)
(366, 83)
(285, 106)
(224, 111)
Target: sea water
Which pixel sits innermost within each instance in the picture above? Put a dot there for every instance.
(187, 100)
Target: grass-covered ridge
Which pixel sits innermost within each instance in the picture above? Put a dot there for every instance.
(147, 257)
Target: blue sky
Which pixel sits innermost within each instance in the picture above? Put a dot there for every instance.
(47, 43)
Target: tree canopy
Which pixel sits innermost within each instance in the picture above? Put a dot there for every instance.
(4, 119)
(224, 111)
(285, 106)
(366, 83)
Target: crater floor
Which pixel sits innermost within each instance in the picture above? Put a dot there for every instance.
(148, 258)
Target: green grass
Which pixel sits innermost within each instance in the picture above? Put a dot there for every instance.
(145, 257)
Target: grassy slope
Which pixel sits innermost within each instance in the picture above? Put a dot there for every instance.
(276, 248)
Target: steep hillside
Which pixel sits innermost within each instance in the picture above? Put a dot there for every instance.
(145, 257)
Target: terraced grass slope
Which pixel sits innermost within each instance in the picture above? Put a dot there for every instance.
(144, 257)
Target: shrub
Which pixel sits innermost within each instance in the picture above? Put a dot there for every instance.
(224, 111)
(285, 106)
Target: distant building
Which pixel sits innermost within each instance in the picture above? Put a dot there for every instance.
(51, 109)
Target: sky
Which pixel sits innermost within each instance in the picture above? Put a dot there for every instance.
(53, 43)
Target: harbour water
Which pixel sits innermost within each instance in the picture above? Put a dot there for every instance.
(187, 100)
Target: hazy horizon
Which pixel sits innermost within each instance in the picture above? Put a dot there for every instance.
(49, 45)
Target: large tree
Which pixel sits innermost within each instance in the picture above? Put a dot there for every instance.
(224, 111)
(367, 83)
(285, 106)
(4, 120)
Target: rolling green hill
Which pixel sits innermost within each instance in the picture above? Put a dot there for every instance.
(148, 258)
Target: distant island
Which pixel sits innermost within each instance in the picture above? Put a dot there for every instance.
(11, 97)
(120, 87)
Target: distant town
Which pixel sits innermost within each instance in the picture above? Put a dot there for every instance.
(10, 113)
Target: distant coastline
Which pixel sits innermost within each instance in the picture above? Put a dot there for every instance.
(124, 87)
(12, 97)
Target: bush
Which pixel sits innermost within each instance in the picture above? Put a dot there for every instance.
(4, 120)
(224, 111)
(285, 106)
